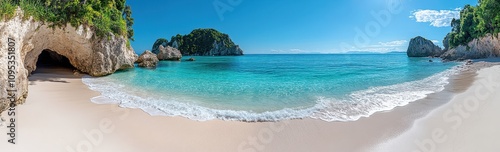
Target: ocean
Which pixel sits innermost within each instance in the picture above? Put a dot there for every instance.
(330, 87)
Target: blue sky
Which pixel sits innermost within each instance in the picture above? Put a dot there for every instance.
(298, 26)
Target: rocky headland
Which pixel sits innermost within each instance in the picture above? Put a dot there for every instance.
(221, 49)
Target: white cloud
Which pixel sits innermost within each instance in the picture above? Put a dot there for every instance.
(393, 43)
(435, 41)
(437, 18)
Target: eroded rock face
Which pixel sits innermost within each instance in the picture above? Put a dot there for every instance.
(95, 56)
(159, 42)
(421, 47)
(191, 59)
(147, 59)
(446, 42)
(169, 53)
(175, 45)
(220, 49)
(484, 47)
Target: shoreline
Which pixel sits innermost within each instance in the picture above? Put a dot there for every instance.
(59, 116)
(466, 123)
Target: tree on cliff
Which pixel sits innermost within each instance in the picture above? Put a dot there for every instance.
(475, 21)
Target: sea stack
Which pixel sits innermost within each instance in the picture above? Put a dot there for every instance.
(147, 59)
(421, 47)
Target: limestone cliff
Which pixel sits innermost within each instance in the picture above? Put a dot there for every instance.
(421, 47)
(95, 56)
(220, 49)
(446, 42)
(487, 46)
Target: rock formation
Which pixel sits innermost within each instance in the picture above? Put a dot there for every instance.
(95, 56)
(51, 58)
(205, 42)
(169, 53)
(159, 42)
(421, 47)
(175, 45)
(446, 42)
(147, 59)
(191, 59)
(487, 46)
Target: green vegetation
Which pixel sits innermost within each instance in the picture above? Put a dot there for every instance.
(475, 22)
(103, 16)
(200, 41)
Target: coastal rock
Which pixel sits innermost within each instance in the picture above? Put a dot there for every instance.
(469, 62)
(169, 53)
(159, 42)
(421, 47)
(191, 59)
(220, 49)
(95, 56)
(175, 45)
(205, 42)
(147, 59)
(484, 47)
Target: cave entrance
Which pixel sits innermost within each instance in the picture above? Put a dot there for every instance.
(49, 60)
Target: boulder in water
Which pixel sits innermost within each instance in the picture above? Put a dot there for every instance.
(147, 59)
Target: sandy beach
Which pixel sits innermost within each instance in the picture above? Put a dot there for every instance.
(59, 116)
(467, 123)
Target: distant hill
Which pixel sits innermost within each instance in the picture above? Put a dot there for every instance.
(475, 22)
(205, 42)
(476, 34)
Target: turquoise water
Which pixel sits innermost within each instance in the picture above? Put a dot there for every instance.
(338, 87)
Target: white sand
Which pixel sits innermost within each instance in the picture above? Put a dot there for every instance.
(469, 122)
(58, 114)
